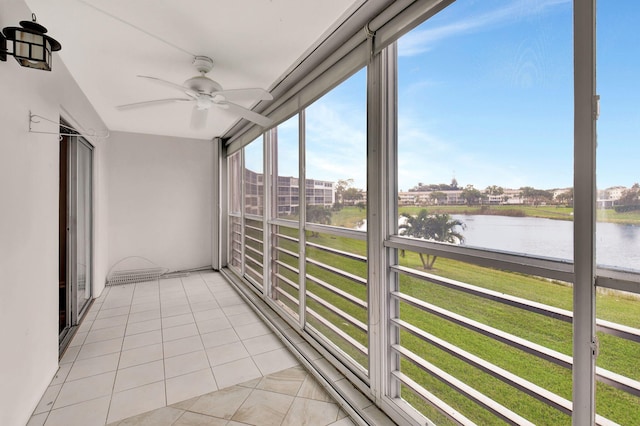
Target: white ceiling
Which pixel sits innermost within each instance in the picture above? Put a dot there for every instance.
(254, 43)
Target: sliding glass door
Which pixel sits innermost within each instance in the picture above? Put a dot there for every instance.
(76, 239)
(82, 236)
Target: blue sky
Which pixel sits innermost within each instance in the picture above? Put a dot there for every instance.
(486, 96)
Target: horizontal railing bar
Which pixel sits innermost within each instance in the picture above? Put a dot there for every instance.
(287, 266)
(253, 217)
(605, 376)
(499, 335)
(352, 277)
(618, 381)
(608, 327)
(339, 353)
(289, 252)
(549, 311)
(493, 370)
(236, 269)
(481, 399)
(602, 421)
(287, 237)
(337, 311)
(287, 281)
(254, 239)
(253, 228)
(251, 259)
(346, 254)
(294, 224)
(347, 296)
(287, 296)
(337, 231)
(618, 330)
(543, 267)
(250, 269)
(618, 280)
(346, 337)
(253, 250)
(433, 400)
(254, 261)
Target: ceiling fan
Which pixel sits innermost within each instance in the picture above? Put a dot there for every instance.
(205, 93)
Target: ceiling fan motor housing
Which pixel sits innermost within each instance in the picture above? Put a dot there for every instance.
(203, 64)
(202, 84)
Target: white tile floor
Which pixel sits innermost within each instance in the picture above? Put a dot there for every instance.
(149, 345)
(290, 397)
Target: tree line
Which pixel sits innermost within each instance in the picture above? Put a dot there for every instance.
(630, 200)
(474, 196)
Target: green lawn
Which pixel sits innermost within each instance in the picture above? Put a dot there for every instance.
(616, 354)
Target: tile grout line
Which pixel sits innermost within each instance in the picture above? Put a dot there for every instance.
(195, 322)
(115, 377)
(164, 371)
(65, 381)
(135, 287)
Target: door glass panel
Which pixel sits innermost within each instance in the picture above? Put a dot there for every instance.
(253, 178)
(84, 225)
(254, 210)
(485, 160)
(485, 127)
(618, 207)
(336, 194)
(235, 210)
(286, 169)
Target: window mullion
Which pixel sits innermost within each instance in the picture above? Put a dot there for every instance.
(584, 214)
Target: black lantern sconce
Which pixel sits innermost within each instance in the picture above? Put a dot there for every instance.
(31, 47)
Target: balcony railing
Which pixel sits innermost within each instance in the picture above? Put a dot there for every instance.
(478, 352)
(484, 338)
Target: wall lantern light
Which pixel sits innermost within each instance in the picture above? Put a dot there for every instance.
(31, 47)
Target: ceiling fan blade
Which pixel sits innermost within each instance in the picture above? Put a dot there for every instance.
(245, 94)
(198, 118)
(248, 114)
(170, 84)
(151, 103)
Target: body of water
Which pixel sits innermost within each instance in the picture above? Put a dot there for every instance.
(616, 244)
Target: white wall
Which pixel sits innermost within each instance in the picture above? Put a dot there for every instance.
(29, 166)
(160, 200)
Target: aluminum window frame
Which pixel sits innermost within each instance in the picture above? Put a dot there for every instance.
(384, 242)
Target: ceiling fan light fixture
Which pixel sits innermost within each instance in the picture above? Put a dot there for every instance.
(203, 102)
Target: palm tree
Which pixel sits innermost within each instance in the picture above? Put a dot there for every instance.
(437, 227)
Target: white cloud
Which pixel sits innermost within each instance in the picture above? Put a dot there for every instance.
(336, 144)
(422, 156)
(419, 41)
